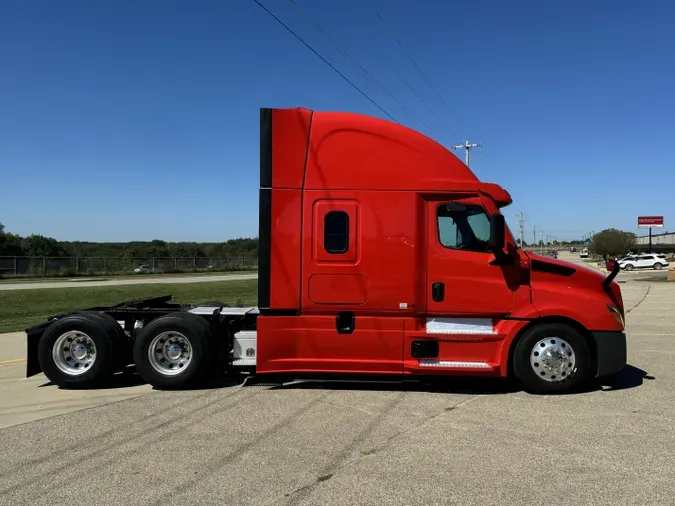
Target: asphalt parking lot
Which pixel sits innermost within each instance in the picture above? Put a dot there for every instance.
(472, 442)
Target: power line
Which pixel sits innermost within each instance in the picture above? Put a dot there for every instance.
(344, 52)
(409, 56)
(351, 83)
(405, 81)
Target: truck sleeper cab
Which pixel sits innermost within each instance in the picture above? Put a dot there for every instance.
(380, 253)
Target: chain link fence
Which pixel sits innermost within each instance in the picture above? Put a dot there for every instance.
(97, 266)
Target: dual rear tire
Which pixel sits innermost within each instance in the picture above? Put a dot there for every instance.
(84, 350)
(173, 351)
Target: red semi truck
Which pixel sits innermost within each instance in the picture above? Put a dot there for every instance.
(382, 254)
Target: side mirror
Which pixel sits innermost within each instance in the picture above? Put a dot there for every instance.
(497, 232)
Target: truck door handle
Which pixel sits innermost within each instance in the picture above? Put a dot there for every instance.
(345, 322)
(438, 291)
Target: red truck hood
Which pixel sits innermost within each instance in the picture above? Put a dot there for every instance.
(583, 276)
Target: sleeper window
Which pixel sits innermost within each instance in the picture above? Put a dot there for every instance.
(336, 232)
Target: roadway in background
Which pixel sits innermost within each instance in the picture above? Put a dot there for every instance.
(145, 280)
(635, 275)
(641, 274)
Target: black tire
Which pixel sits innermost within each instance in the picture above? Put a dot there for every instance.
(214, 357)
(122, 350)
(572, 378)
(191, 327)
(658, 266)
(97, 372)
(629, 267)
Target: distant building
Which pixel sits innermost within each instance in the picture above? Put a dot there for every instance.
(661, 243)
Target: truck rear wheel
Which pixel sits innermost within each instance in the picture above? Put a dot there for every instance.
(121, 344)
(552, 358)
(77, 351)
(172, 351)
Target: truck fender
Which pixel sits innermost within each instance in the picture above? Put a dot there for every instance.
(520, 327)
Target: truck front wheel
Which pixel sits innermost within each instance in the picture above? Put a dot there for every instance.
(172, 351)
(552, 358)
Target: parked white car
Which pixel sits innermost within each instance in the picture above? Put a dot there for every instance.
(144, 269)
(643, 262)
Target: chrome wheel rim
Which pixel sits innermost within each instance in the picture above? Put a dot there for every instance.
(170, 353)
(74, 353)
(553, 359)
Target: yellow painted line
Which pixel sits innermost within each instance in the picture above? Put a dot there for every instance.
(12, 361)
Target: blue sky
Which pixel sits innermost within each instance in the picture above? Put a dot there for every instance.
(124, 120)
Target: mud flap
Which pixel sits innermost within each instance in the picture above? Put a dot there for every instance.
(33, 336)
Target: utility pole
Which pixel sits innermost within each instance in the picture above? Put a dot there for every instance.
(534, 236)
(521, 220)
(543, 236)
(467, 146)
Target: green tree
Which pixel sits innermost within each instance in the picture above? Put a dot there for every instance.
(157, 248)
(40, 246)
(612, 242)
(10, 244)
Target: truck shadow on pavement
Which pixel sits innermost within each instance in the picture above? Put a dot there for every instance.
(629, 377)
(127, 379)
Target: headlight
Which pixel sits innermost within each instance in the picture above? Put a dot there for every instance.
(616, 314)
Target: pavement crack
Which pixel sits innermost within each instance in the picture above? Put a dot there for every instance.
(641, 300)
(421, 423)
(325, 477)
(209, 469)
(342, 459)
(341, 462)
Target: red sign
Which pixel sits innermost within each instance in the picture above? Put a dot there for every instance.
(650, 221)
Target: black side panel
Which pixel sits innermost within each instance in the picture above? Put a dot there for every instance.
(265, 148)
(264, 247)
(424, 348)
(265, 209)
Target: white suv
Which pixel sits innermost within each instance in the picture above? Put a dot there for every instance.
(643, 262)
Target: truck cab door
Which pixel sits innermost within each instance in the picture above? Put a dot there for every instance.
(463, 276)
